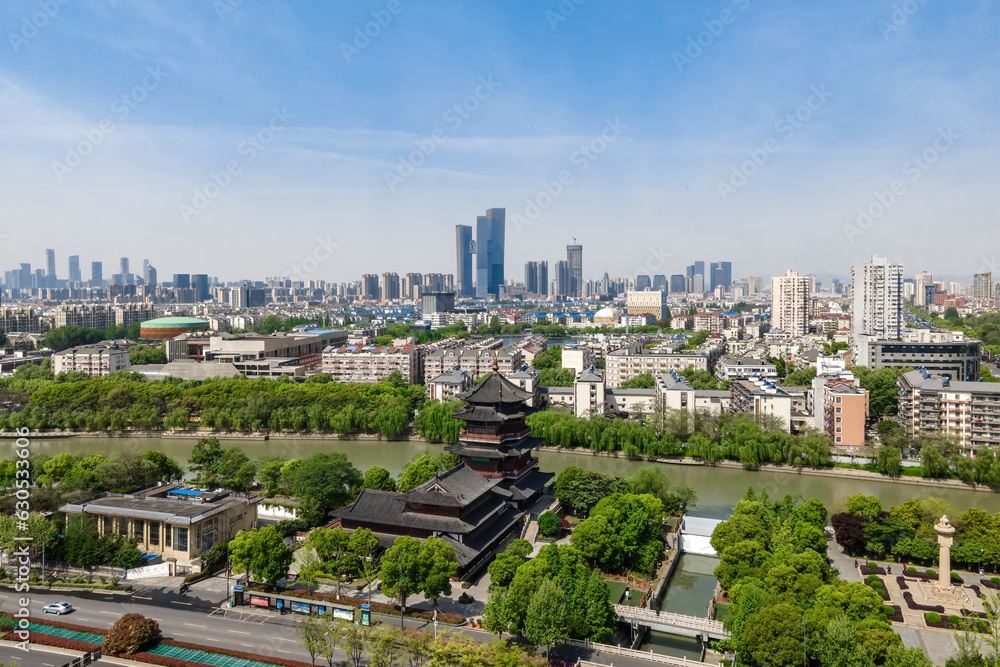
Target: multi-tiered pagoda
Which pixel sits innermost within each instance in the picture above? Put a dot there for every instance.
(478, 504)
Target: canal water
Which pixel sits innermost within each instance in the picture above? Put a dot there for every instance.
(689, 592)
(718, 489)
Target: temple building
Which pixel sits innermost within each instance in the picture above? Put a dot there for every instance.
(480, 503)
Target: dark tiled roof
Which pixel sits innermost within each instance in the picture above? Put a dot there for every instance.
(481, 414)
(494, 390)
(528, 485)
(388, 508)
(457, 487)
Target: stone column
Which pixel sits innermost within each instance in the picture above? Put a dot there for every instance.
(945, 532)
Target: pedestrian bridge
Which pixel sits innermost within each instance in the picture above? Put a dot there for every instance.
(674, 624)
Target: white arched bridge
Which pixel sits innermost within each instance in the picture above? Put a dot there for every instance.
(675, 624)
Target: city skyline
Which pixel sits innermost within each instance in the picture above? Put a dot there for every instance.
(743, 145)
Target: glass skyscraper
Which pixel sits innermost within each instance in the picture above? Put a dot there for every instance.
(464, 248)
(490, 234)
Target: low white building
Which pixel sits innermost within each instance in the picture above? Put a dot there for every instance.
(449, 385)
(99, 359)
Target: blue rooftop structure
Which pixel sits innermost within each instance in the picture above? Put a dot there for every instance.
(185, 492)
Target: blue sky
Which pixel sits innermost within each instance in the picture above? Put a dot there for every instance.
(686, 94)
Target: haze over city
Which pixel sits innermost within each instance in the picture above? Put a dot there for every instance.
(235, 134)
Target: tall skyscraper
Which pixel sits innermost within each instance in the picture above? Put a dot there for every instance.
(791, 301)
(678, 284)
(574, 257)
(182, 281)
(199, 282)
(660, 283)
(643, 282)
(982, 286)
(96, 274)
(721, 274)
(464, 249)
(531, 277)
(151, 275)
(877, 308)
(490, 238)
(923, 279)
(50, 262)
(74, 269)
(127, 277)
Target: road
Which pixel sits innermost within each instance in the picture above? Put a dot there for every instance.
(37, 658)
(196, 618)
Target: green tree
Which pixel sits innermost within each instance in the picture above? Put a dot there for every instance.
(864, 506)
(839, 646)
(420, 469)
(545, 621)
(549, 524)
(364, 545)
(270, 477)
(235, 471)
(773, 636)
(205, 457)
(642, 381)
(378, 478)
(261, 553)
(498, 613)
(889, 460)
(401, 569)
(312, 636)
(327, 478)
(438, 565)
(802, 378)
(332, 547)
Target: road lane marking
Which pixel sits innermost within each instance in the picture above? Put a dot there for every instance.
(280, 651)
(115, 613)
(139, 597)
(179, 634)
(211, 639)
(248, 645)
(239, 632)
(195, 625)
(283, 639)
(178, 602)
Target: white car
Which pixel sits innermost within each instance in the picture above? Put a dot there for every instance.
(58, 608)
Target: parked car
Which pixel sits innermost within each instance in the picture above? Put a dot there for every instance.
(58, 608)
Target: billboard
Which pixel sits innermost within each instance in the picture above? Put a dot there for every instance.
(300, 607)
(259, 601)
(345, 614)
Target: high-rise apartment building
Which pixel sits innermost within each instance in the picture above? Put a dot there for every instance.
(74, 269)
(923, 279)
(490, 239)
(465, 248)
(412, 287)
(531, 277)
(574, 257)
(96, 274)
(369, 286)
(877, 307)
(560, 281)
(390, 286)
(791, 299)
(982, 286)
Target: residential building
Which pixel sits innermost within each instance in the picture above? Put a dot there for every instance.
(923, 280)
(791, 300)
(372, 364)
(369, 286)
(967, 411)
(877, 308)
(171, 521)
(390, 287)
(947, 353)
(246, 296)
(589, 393)
(437, 302)
(577, 358)
(982, 286)
(674, 392)
(648, 302)
(757, 396)
(448, 385)
(843, 408)
(622, 365)
(561, 282)
(99, 359)
(732, 368)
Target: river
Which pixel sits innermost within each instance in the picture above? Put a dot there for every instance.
(718, 489)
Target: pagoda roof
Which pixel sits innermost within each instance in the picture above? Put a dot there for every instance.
(490, 451)
(495, 390)
(483, 414)
(457, 487)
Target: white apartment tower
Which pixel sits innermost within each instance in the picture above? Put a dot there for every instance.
(791, 298)
(877, 308)
(923, 279)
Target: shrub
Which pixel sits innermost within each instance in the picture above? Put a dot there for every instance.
(981, 625)
(931, 573)
(130, 634)
(955, 576)
(910, 570)
(933, 617)
(873, 578)
(954, 621)
(465, 598)
(548, 524)
(995, 580)
(888, 611)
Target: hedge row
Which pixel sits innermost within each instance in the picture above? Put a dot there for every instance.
(896, 615)
(902, 583)
(993, 583)
(939, 609)
(60, 624)
(52, 640)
